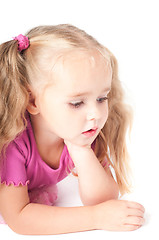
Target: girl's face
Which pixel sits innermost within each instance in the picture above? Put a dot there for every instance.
(74, 106)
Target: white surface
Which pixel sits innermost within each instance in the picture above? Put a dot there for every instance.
(130, 30)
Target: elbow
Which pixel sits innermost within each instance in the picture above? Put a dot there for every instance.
(22, 230)
(19, 229)
(113, 193)
(20, 225)
(16, 230)
(109, 194)
(14, 225)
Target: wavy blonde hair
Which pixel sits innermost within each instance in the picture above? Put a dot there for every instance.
(18, 71)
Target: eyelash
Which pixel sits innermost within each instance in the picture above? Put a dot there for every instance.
(79, 104)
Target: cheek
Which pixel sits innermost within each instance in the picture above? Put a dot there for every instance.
(106, 113)
(66, 123)
(105, 116)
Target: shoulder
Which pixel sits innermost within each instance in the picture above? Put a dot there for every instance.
(21, 146)
(16, 158)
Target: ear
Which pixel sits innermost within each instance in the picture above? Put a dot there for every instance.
(32, 107)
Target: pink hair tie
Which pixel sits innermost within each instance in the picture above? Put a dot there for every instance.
(23, 42)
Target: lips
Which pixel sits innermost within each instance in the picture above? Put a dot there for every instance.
(90, 132)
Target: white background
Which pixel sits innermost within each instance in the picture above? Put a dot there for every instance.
(130, 30)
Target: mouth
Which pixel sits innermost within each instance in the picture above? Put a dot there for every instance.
(91, 132)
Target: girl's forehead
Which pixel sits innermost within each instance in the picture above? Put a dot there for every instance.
(92, 57)
(79, 69)
(76, 59)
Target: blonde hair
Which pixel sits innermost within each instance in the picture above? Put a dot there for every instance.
(18, 70)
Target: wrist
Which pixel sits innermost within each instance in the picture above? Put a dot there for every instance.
(95, 217)
(79, 152)
(82, 156)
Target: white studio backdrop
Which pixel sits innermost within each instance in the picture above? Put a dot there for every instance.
(130, 30)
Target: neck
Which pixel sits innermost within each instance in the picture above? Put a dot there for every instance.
(44, 138)
(49, 145)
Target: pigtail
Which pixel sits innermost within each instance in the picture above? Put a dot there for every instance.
(13, 93)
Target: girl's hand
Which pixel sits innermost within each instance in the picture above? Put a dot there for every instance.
(72, 146)
(77, 150)
(119, 215)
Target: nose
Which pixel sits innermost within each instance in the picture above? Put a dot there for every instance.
(93, 113)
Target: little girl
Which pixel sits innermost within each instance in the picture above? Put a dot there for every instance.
(61, 112)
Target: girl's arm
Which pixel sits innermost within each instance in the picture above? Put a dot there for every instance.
(29, 218)
(96, 184)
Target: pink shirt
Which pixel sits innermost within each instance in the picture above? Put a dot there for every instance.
(23, 164)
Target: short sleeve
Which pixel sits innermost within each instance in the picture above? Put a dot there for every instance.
(13, 170)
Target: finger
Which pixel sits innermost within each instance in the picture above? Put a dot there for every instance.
(132, 220)
(136, 205)
(128, 227)
(135, 212)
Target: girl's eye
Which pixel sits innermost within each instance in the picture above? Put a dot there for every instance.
(76, 104)
(101, 100)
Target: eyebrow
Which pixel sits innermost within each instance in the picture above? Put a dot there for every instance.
(87, 93)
